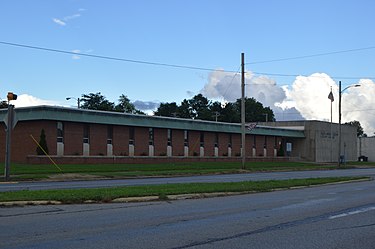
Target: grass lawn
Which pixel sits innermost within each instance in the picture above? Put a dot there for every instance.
(109, 194)
(34, 172)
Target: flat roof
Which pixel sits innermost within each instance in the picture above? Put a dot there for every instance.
(58, 113)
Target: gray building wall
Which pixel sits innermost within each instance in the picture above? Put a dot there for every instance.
(366, 147)
(321, 142)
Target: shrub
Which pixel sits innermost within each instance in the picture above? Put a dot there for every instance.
(42, 144)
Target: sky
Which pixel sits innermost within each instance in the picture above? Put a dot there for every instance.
(170, 50)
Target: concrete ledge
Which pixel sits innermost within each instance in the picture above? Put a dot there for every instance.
(136, 199)
(24, 203)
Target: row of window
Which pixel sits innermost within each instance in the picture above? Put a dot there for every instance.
(86, 136)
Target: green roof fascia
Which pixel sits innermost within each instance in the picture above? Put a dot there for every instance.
(116, 118)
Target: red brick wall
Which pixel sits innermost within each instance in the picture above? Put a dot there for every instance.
(259, 145)
(177, 142)
(236, 145)
(23, 146)
(2, 139)
(21, 142)
(209, 144)
(194, 143)
(120, 140)
(223, 144)
(141, 141)
(73, 138)
(98, 140)
(160, 142)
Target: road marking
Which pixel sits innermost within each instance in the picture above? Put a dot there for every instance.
(362, 210)
(307, 203)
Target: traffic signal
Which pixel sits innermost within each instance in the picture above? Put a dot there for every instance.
(11, 96)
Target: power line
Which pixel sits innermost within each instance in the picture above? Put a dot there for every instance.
(111, 58)
(311, 55)
(194, 67)
(234, 76)
(318, 76)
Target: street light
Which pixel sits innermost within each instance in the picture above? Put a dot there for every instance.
(78, 100)
(340, 94)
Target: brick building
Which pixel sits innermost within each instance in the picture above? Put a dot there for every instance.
(87, 136)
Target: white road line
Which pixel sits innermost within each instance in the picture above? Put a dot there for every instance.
(362, 210)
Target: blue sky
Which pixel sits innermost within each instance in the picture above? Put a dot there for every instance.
(200, 33)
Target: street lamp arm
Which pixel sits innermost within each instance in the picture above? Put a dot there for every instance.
(78, 100)
(339, 136)
(356, 85)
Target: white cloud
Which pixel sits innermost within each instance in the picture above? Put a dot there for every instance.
(67, 18)
(306, 98)
(63, 21)
(358, 104)
(24, 100)
(310, 96)
(59, 22)
(226, 86)
(76, 57)
(146, 105)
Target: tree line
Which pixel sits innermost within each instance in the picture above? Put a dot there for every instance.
(198, 107)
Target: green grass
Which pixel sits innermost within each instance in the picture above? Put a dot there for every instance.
(36, 172)
(108, 194)
(367, 164)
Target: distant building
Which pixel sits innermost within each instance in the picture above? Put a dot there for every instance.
(366, 148)
(87, 136)
(321, 140)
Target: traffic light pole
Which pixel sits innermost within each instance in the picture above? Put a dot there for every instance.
(8, 140)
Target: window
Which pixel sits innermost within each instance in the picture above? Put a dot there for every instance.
(109, 134)
(229, 140)
(265, 142)
(186, 138)
(151, 136)
(131, 136)
(275, 145)
(202, 139)
(169, 137)
(216, 140)
(86, 134)
(255, 142)
(60, 132)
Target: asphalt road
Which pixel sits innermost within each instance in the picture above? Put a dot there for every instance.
(332, 216)
(207, 178)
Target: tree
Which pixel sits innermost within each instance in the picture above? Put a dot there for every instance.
(184, 110)
(254, 111)
(96, 101)
(216, 110)
(124, 105)
(357, 124)
(42, 149)
(199, 107)
(167, 110)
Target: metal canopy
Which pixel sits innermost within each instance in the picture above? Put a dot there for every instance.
(115, 118)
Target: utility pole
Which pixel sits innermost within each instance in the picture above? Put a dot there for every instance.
(243, 135)
(8, 140)
(339, 161)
